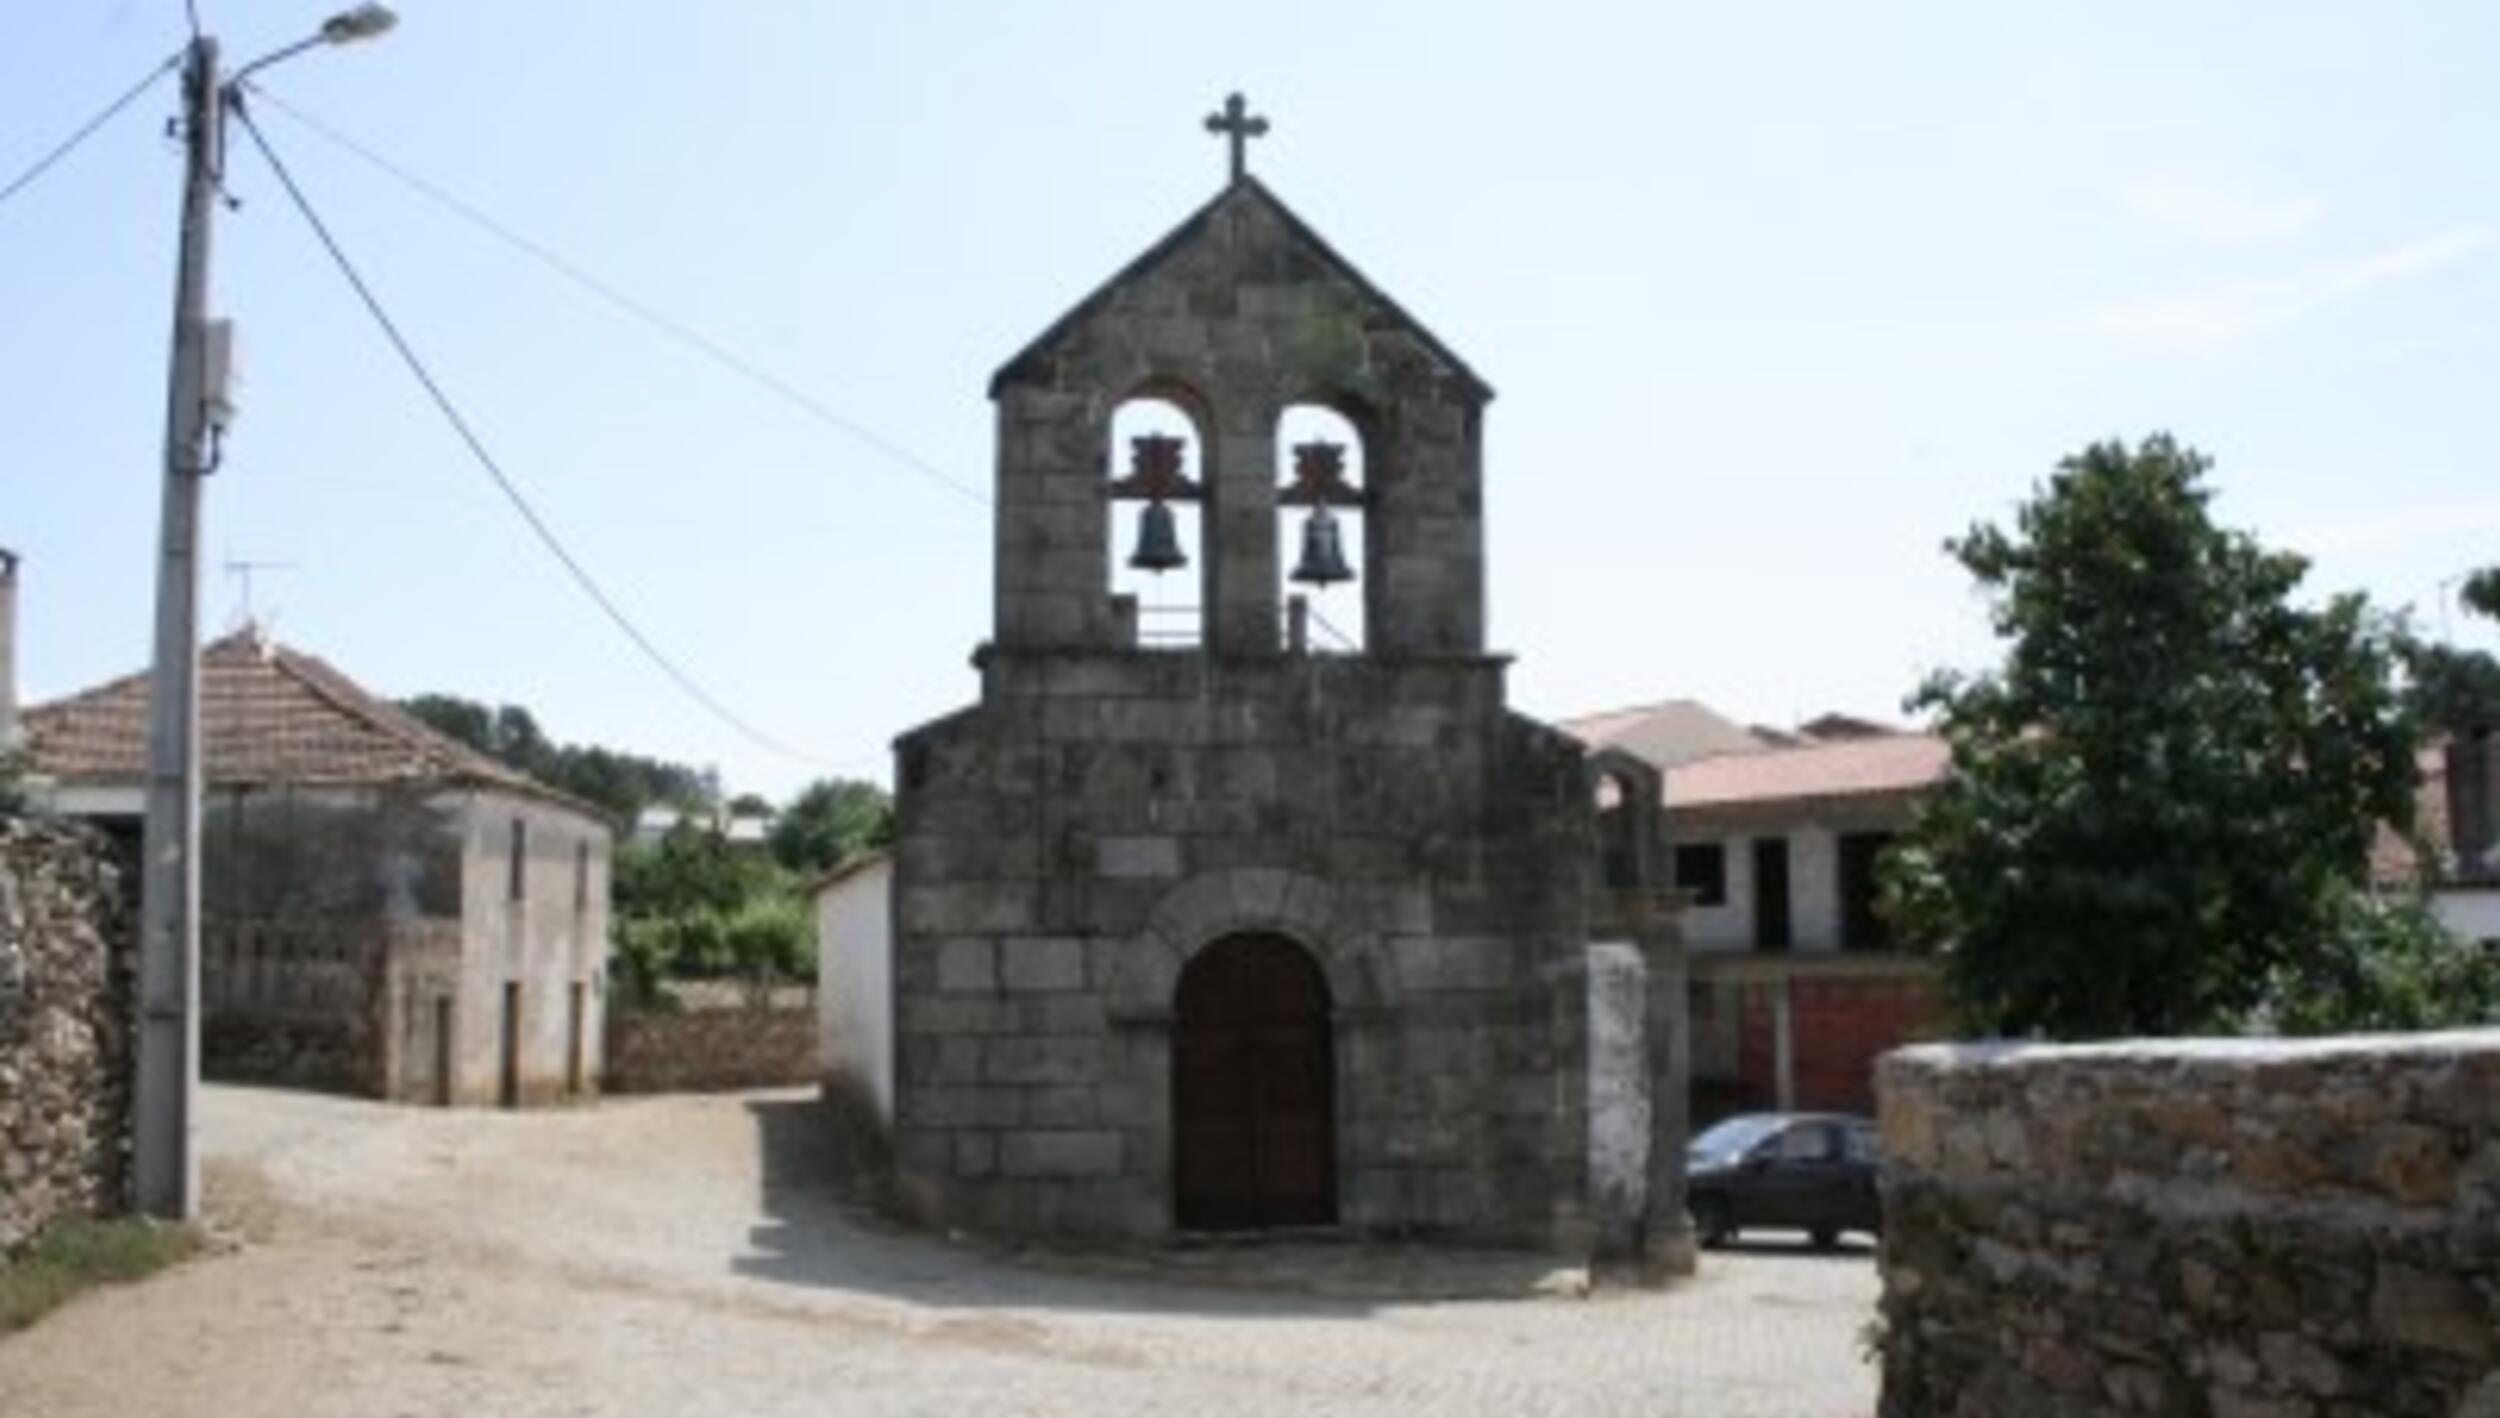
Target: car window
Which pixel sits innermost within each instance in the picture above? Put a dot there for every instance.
(1734, 1137)
(1864, 1144)
(1807, 1142)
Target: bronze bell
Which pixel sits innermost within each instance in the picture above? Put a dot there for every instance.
(1323, 557)
(1158, 541)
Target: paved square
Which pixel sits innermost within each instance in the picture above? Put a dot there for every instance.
(681, 1256)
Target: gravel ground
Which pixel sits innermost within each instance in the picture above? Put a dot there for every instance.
(681, 1256)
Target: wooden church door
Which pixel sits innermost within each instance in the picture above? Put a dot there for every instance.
(1253, 1089)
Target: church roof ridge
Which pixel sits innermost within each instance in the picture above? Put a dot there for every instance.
(1188, 228)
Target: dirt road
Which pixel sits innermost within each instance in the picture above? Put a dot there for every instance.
(681, 1256)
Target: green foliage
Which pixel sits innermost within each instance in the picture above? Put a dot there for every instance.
(2453, 689)
(622, 784)
(2157, 798)
(693, 905)
(2389, 965)
(830, 821)
(72, 1257)
(2481, 592)
(2457, 689)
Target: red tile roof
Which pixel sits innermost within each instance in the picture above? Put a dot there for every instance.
(268, 714)
(1668, 733)
(1887, 763)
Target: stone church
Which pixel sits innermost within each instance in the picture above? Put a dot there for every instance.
(1244, 932)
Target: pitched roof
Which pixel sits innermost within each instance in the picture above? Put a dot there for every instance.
(1860, 767)
(1192, 228)
(1668, 733)
(268, 714)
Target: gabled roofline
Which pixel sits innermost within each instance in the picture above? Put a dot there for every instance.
(434, 757)
(1153, 255)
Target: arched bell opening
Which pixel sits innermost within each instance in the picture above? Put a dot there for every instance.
(1156, 486)
(1253, 1088)
(1321, 535)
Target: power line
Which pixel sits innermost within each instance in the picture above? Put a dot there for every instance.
(665, 324)
(70, 144)
(477, 449)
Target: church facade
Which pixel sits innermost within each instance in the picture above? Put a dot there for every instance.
(1244, 933)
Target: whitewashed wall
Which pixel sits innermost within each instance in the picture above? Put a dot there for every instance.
(855, 981)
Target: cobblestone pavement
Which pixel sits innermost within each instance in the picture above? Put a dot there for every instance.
(681, 1256)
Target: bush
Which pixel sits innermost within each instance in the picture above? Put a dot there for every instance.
(2389, 966)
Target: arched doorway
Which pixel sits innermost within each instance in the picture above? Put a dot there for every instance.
(1253, 1089)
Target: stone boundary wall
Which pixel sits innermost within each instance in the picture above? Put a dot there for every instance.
(703, 1050)
(68, 986)
(2245, 1229)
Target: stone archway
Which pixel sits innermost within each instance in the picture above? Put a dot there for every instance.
(1253, 1088)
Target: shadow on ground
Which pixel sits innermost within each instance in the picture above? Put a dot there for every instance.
(816, 1233)
(1854, 1249)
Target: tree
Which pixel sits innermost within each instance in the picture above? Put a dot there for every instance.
(693, 905)
(2456, 690)
(622, 784)
(2389, 964)
(2481, 592)
(2160, 799)
(830, 821)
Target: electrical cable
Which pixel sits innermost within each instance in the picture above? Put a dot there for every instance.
(674, 329)
(477, 449)
(70, 144)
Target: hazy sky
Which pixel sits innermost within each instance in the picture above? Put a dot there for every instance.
(1775, 298)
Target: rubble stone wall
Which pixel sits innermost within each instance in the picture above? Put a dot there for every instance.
(702, 1050)
(2288, 1229)
(68, 982)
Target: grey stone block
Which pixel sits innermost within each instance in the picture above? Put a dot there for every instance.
(1057, 1153)
(1042, 1059)
(967, 966)
(1131, 857)
(1034, 964)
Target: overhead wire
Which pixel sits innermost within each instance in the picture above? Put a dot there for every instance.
(87, 130)
(486, 459)
(639, 310)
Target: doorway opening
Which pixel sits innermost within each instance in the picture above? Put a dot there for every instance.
(1253, 1089)
(508, 1092)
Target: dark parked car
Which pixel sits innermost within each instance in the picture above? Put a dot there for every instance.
(1813, 1172)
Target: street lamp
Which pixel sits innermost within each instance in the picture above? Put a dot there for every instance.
(165, 1167)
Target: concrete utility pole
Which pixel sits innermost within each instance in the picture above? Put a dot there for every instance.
(166, 1167)
(167, 1170)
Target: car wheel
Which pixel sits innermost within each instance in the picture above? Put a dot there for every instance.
(1825, 1238)
(1710, 1221)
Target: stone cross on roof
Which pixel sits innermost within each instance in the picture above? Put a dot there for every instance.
(1236, 123)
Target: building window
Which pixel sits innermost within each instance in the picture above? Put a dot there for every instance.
(581, 876)
(1701, 868)
(520, 855)
(1861, 927)
(1771, 930)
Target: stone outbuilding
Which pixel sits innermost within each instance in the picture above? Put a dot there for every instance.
(383, 910)
(1241, 933)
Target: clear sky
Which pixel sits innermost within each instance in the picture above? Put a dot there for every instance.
(1775, 298)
